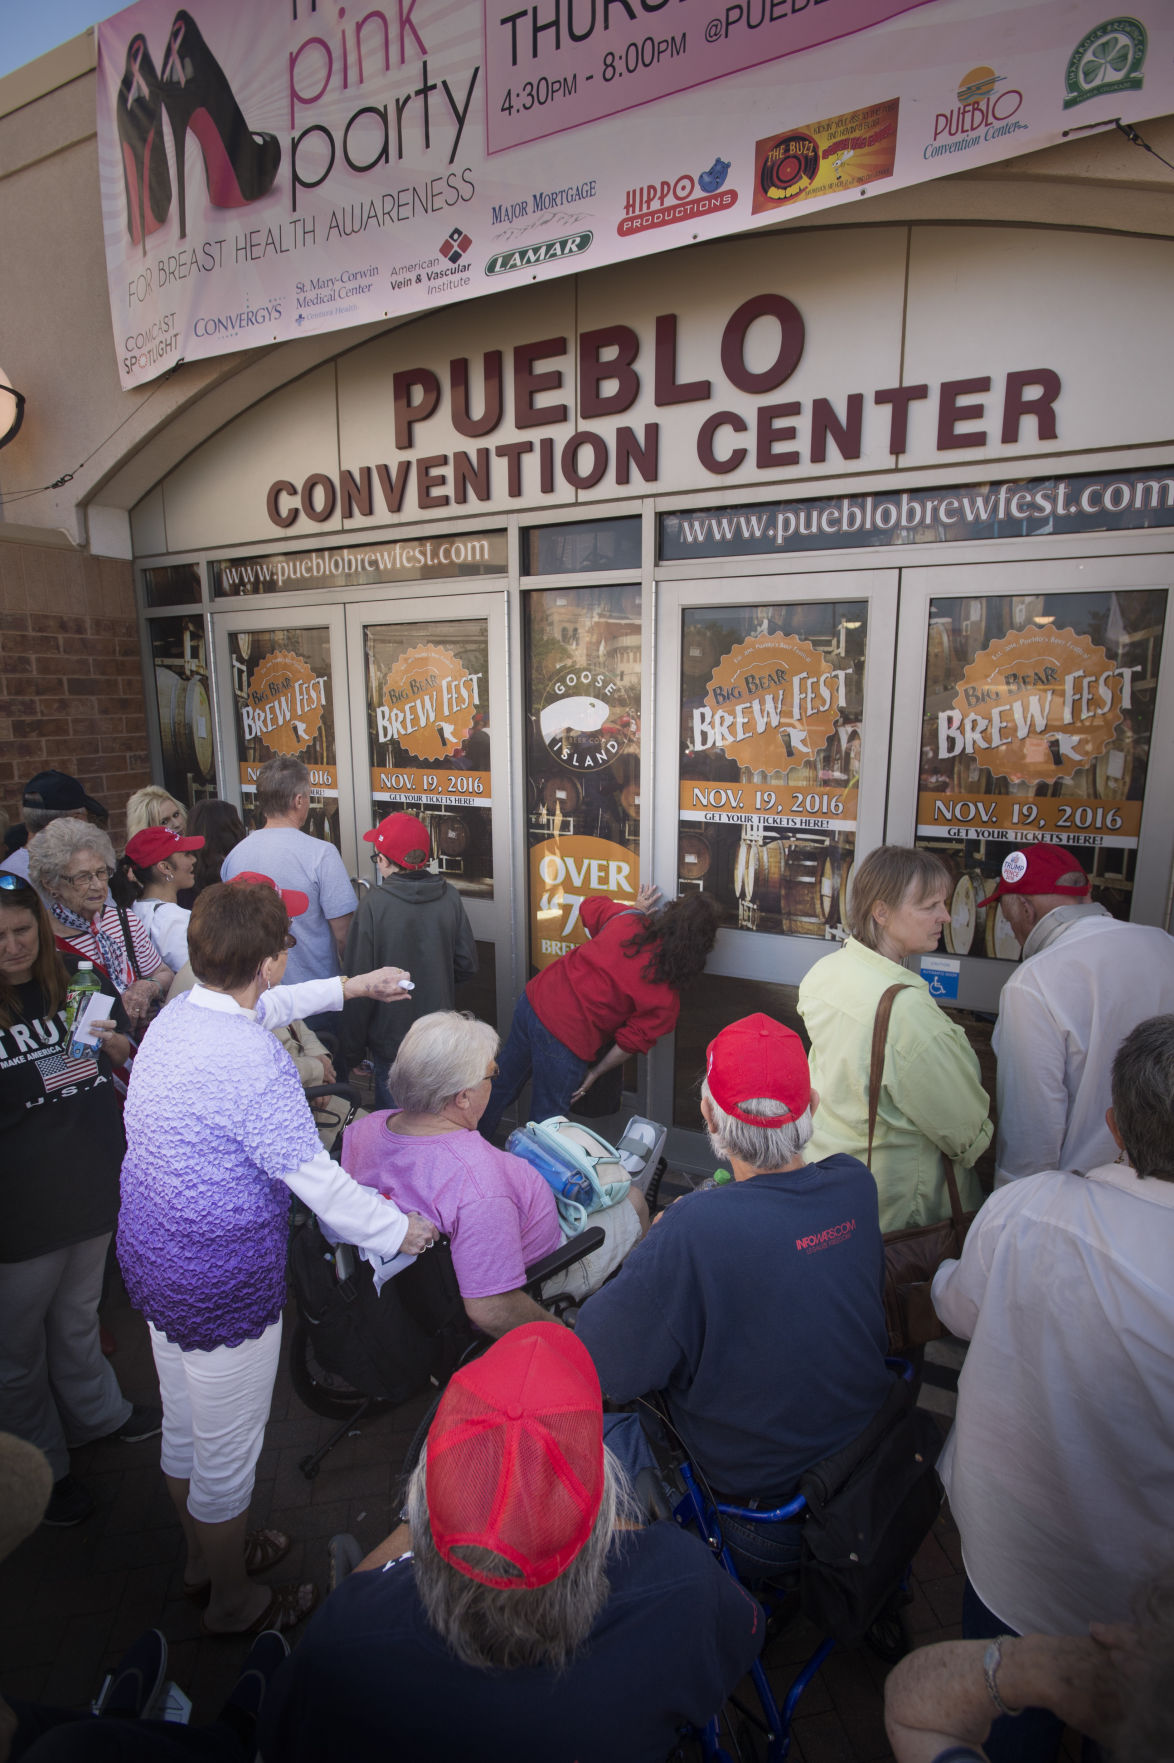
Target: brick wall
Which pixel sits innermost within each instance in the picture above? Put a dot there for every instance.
(71, 681)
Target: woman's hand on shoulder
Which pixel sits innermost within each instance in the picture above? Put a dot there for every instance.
(421, 1235)
(387, 985)
(115, 1046)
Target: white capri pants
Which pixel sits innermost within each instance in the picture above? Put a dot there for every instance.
(215, 1405)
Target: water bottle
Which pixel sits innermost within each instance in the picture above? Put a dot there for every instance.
(718, 1179)
(82, 986)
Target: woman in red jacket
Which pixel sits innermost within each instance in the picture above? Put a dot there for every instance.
(602, 1001)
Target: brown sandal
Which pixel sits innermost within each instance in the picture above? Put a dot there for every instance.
(284, 1611)
(263, 1550)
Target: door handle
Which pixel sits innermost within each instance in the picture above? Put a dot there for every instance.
(359, 881)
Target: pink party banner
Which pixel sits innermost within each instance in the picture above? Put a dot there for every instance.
(282, 169)
(557, 64)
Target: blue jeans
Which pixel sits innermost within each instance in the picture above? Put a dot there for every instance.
(532, 1052)
(763, 1552)
(1031, 1737)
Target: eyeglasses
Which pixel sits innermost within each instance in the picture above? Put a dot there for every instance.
(15, 884)
(88, 875)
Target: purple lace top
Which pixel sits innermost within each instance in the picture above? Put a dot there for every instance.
(215, 1116)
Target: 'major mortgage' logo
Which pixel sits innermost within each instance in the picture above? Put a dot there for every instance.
(1106, 61)
(530, 256)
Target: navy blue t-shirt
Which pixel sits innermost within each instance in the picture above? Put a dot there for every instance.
(756, 1309)
(371, 1680)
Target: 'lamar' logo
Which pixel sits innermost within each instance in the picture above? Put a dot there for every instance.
(284, 705)
(1106, 61)
(530, 256)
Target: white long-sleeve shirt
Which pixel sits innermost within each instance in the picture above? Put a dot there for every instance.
(1060, 1465)
(1062, 1016)
(352, 1214)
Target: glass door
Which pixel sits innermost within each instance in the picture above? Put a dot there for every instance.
(281, 688)
(429, 734)
(772, 733)
(1038, 708)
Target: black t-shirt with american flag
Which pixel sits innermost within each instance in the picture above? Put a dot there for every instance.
(61, 1137)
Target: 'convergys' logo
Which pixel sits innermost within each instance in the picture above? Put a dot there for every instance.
(1106, 61)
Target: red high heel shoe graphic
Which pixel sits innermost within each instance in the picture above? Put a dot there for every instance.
(240, 163)
(144, 156)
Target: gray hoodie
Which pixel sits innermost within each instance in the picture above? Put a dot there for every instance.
(414, 920)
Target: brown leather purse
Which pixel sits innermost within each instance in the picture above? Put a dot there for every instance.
(912, 1256)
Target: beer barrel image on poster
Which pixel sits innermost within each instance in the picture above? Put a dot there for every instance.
(744, 869)
(846, 869)
(829, 888)
(561, 795)
(1001, 942)
(630, 799)
(939, 658)
(450, 835)
(963, 926)
(185, 725)
(786, 880)
(693, 857)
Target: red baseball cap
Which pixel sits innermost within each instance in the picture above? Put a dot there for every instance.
(1037, 870)
(515, 1456)
(402, 839)
(295, 903)
(759, 1058)
(155, 843)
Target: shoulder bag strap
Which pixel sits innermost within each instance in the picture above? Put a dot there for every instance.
(880, 1032)
(956, 1213)
(129, 941)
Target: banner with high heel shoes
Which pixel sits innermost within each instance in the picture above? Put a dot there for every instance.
(280, 168)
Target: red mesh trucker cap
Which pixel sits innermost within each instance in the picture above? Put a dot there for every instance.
(155, 843)
(758, 1057)
(515, 1456)
(402, 839)
(1037, 870)
(295, 903)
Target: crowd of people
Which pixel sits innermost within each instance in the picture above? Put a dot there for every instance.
(526, 1607)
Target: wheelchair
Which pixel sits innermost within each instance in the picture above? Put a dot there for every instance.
(852, 1576)
(354, 1352)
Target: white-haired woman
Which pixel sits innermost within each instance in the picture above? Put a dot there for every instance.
(71, 864)
(932, 1104)
(497, 1211)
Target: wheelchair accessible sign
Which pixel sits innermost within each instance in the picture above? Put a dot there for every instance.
(940, 974)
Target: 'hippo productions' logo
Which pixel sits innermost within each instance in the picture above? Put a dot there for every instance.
(1106, 61)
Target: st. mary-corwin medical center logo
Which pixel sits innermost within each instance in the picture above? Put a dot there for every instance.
(191, 90)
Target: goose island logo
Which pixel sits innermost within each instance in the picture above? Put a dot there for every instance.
(586, 720)
(1108, 60)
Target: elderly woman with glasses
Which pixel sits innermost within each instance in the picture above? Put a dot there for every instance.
(218, 1136)
(61, 1146)
(70, 865)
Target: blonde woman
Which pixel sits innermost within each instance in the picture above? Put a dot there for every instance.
(932, 1103)
(154, 806)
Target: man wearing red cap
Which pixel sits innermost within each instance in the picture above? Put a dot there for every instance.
(530, 1623)
(1085, 981)
(414, 920)
(755, 1308)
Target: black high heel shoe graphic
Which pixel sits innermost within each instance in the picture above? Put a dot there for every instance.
(144, 156)
(240, 163)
